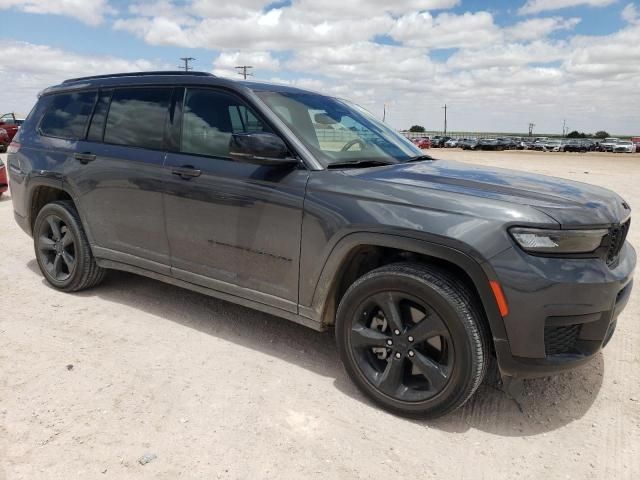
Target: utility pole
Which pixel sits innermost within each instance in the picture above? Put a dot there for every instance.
(531, 125)
(445, 118)
(244, 71)
(384, 112)
(186, 61)
(564, 125)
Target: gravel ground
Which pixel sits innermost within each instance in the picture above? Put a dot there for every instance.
(138, 379)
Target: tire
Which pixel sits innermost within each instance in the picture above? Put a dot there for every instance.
(424, 375)
(62, 249)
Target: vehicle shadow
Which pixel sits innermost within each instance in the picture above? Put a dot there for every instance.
(546, 404)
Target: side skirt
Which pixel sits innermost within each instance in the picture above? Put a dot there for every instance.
(307, 322)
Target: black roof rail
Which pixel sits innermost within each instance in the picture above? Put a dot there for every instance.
(141, 74)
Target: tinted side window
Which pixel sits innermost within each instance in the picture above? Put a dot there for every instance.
(96, 128)
(137, 117)
(209, 119)
(67, 115)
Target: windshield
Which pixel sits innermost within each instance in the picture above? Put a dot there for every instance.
(337, 131)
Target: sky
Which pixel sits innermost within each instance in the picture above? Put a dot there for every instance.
(498, 65)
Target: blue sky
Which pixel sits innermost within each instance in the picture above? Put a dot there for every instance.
(499, 64)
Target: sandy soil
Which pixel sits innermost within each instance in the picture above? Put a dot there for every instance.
(214, 390)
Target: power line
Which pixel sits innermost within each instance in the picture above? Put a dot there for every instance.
(186, 61)
(445, 118)
(244, 71)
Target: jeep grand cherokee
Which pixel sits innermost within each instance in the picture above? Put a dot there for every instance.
(307, 207)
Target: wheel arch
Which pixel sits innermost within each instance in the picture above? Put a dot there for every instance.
(46, 189)
(359, 253)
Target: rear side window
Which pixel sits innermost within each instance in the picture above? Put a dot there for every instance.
(67, 115)
(210, 118)
(137, 117)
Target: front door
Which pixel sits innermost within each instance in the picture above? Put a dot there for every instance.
(232, 226)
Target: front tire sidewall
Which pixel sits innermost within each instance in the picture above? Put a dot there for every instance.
(462, 370)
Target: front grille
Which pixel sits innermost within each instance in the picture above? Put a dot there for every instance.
(562, 339)
(617, 236)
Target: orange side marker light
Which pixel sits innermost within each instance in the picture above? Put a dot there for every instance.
(500, 298)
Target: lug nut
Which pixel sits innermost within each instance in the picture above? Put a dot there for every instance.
(396, 331)
(389, 342)
(410, 338)
(411, 354)
(398, 355)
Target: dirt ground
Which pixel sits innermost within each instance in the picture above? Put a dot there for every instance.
(214, 390)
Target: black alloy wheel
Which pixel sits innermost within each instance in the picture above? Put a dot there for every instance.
(413, 338)
(62, 248)
(57, 248)
(402, 346)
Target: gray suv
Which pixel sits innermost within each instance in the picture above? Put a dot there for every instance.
(307, 207)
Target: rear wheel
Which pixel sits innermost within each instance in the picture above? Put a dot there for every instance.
(62, 249)
(412, 339)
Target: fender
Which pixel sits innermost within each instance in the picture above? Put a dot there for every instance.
(31, 181)
(67, 187)
(479, 273)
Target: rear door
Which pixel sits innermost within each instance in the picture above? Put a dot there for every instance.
(117, 175)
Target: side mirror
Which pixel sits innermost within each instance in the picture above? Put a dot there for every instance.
(260, 148)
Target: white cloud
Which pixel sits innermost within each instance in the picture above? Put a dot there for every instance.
(445, 30)
(536, 28)
(537, 6)
(508, 55)
(30, 68)
(495, 78)
(91, 12)
(630, 14)
(224, 65)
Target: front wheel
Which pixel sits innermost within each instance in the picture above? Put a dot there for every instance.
(413, 339)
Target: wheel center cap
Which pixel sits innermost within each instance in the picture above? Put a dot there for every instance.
(58, 248)
(402, 344)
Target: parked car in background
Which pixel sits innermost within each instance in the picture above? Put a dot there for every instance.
(489, 144)
(624, 147)
(3, 178)
(4, 140)
(526, 144)
(575, 146)
(422, 142)
(636, 142)
(539, 144)
(11, 123)
(439, 140)
(608, 144)
(468, 143)
(452, 143)
(553, 146)
(507, 143)
(589, 144)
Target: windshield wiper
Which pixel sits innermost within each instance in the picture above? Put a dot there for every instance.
(419, 158)
(360, 164)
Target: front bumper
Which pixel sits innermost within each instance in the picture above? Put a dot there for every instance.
(562, 311)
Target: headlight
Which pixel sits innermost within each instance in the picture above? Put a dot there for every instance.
(537, 240)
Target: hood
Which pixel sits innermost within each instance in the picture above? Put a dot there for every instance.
(567, 202)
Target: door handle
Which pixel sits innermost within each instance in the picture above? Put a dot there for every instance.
(84, 157)
(186, 172)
